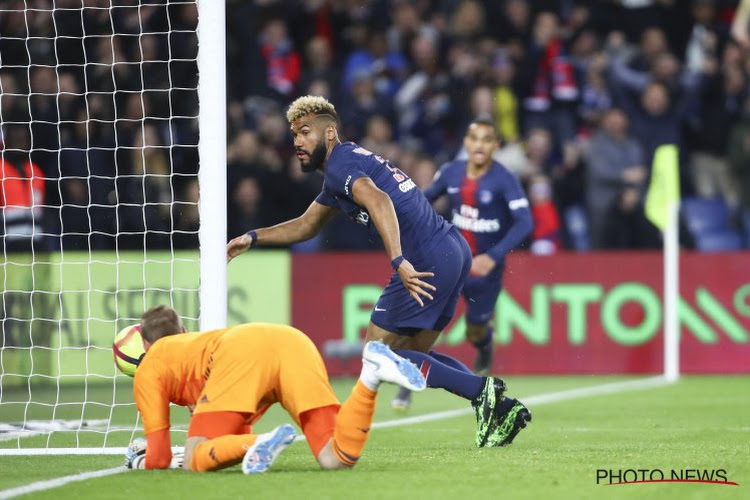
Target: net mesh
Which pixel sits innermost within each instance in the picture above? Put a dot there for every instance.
(98, 201)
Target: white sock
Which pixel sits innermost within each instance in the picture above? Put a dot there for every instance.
(368, 376)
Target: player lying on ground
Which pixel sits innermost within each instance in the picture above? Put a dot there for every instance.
(230, 378)
(490, 208)
(416, 305)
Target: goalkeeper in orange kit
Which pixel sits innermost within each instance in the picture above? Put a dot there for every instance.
(230, 377)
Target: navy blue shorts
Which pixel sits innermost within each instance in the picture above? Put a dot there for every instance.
(481, 295)
(397, 312)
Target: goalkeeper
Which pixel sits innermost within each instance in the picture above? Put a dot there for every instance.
(230, 377)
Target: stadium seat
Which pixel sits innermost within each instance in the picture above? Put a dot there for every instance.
(577, 227)
(708, 220)
(704, 215)
(745, 222)
(718, 241)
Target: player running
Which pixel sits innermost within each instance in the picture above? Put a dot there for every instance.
(230, 377)
(430, 258)
(490, 208)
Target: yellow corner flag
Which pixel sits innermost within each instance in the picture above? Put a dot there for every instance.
(664, 188)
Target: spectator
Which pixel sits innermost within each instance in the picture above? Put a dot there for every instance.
(424, 103)
(362, 103)
(186, 217)
(412, 73)
(538, 154)
(739, 156)
(614, 161)
(513, 21)
(246, 206)
(282, 60)
(244, 157)
(545, 239)
(721, 109)
(22, 193)
(149, 194)
(467, 21)
(319, 67)
(550, 80)
(379, 138)
(627, 227)
(595, 95)
(504, 97)
(387, 68)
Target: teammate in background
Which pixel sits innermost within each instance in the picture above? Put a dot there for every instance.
(230, 377)
(490, 208)
(416, 305)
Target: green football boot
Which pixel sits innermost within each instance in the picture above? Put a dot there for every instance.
(510, 417)
(485, 405)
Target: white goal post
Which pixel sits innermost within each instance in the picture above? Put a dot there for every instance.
(113, 123)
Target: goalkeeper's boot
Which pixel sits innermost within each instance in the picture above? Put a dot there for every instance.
(266, 449)
(485, 408)
(402, 401)
(388, 366)
(511, 416)
(483, 363)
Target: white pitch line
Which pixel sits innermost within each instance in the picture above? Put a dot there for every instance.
(540, 399)
(58, 481)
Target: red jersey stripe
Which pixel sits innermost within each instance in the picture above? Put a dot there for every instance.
(469, 197)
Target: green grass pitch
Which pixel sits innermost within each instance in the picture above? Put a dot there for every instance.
(698, 423)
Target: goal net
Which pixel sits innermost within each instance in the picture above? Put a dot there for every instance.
(99, 206)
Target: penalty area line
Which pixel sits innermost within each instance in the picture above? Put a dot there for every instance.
(540, 399)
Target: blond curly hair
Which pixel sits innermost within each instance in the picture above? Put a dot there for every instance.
(307, 104)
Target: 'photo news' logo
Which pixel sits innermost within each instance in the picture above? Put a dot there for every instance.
(640, 476)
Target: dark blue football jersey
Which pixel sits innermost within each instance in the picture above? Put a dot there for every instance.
(420, 226)
(492, 211)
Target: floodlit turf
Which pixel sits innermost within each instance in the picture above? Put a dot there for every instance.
(699, 423)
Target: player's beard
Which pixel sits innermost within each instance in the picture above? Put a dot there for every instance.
(317, 157)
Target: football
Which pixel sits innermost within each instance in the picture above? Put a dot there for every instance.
(128, 349)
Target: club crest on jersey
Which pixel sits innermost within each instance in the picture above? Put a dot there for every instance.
(485, 197)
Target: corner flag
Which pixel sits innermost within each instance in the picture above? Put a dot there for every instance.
(664, 188)
(662, 208)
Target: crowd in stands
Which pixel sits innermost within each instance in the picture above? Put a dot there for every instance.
(582, 93)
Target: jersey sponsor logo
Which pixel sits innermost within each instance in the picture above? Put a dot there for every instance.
(406, 186)
(469, 211)
(519, 203)
(485, 197)
(468, 219)
(362, 218)
(453, 189)
(346, 184)
(362, 151)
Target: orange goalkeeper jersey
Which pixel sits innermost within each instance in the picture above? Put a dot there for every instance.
(173, 371)
(244, 369)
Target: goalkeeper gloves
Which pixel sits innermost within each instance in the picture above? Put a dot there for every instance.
(135, 456)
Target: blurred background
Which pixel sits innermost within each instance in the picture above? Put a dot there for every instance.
(582, 93)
